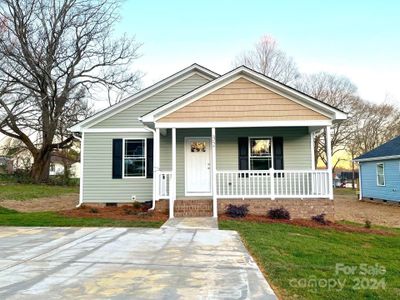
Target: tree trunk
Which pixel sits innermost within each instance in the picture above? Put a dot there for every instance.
(40, 167)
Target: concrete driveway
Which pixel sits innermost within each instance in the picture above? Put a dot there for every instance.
(121, 263)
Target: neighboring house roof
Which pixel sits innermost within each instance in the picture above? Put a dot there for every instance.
(144, 94)
(388, 150)
(243, 71)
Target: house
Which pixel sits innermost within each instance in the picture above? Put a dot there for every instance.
(20, 159)
(198, 141)
(380, 172)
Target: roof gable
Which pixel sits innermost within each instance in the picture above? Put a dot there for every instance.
(243, 100)
(387, 150)
(144, 94)
(260, 79)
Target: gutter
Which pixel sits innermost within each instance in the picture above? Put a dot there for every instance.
(153, 205)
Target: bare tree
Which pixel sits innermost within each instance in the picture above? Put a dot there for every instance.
(337, 91)
(374, 125)
(53, 55)
(268, 59)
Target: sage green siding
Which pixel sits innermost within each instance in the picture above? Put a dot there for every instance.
(128, 118)
(98, 185)
(296, 148)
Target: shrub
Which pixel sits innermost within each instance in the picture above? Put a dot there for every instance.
(278, 213)
(320, 219)
(368, 224)
(129, 210)
(237, 211)
(94, 210)
(137, 205)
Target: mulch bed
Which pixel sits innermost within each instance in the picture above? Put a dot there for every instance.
(125, 212)
(308, 223)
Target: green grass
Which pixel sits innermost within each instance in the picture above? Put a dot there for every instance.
(10, 217)
(15, 191)
(292, 255)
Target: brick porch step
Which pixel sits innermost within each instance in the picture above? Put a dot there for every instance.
(193, 208)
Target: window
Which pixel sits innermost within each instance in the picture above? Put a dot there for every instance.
(135, 158)
(260, 153)
(52, 167)
(380, 174)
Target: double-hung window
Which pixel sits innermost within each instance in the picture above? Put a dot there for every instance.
(380, 174)
(135, 158)
(260, 157)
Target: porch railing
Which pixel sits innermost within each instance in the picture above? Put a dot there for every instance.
(273, 184)
(261, 184)
(164, 186)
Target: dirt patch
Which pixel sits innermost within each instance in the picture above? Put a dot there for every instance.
(308, 223)
(59, 203)
(125, 212)
(348, 207)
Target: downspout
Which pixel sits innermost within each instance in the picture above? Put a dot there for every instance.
(81, 171)
(153, 206)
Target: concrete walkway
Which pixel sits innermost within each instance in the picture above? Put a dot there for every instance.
(192, 223)
(121, 263)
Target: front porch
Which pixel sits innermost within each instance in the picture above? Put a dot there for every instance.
(177, 177)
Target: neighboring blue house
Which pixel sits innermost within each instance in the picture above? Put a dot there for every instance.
(380, 172)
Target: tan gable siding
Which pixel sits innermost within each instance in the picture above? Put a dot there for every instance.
(128, 118)
(243, 100)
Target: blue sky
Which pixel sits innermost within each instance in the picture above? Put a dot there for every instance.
(358, 39)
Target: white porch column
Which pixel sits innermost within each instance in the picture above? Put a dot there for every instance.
(172, 197)
(329, 159)
(156, 165)
(214, 172)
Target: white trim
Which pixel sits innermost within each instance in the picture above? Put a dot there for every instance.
(156, 164)
(378, 158)
(231, 76)
(214, 171)
(302, 123)
(249, 149)
(123, 158)
(116, 130)
(172, 192)
(329, 160)
(82, 168)
(359, 182)
(383, 174)
(156, 88)
(189, 194)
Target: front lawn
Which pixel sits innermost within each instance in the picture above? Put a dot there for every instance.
(310, 263)
(16, 191)
(10, 217)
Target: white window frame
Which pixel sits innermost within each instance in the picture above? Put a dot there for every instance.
(383, 174)
(123, 157)
(272, 150)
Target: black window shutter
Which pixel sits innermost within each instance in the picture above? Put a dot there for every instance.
(278, 152)
(243, 144)
(117, 159)
(149, 158)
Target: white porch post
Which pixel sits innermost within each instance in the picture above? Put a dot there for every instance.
(312, 150)
(172, 196)
(214, 172)
(156, 165)
(329, 159)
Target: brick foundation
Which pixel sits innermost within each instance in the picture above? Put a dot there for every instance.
(298, 209)
(193, 208)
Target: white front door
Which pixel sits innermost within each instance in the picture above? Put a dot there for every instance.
(197, 166)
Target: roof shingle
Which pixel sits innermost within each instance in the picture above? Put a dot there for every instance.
(390, 148)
